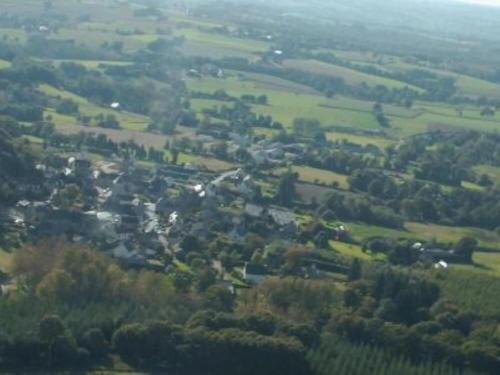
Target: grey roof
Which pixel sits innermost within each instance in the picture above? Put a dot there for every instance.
(255, 269)
(253, 210)
(281, 217)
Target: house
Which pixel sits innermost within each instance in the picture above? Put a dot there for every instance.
(247, 187)
(254, 210)
(282, 217)
(254, 273)
(80, 166)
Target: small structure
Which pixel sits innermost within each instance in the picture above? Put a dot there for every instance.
(254, 273)
(115, 105)
(254, 210)
(441, 265)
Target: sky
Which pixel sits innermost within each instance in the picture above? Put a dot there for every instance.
(483, 2)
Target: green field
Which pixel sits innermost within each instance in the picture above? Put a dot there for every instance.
(362, 140)
(466, 85)
(284, 106)
(427, 232)
(354, 251)
(320, 176)
(4, 64)
(222, 41)
(93, 64)
(492, 172)
(288, 101)
(128, 120)
(13, 35)
(349, 75)
(5, 260)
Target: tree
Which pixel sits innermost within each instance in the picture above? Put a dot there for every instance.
(49, 330)
(465, 248)
(95, 342)
(354, 270)
(219, 298)
(206, 278)
(174, 153)
(68, 197)
(286, 189)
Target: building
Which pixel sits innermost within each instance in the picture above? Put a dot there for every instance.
(254, 273)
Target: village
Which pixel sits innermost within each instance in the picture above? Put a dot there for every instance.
(148, 217)
(156, 218)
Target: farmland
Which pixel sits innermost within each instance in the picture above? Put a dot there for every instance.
(350, 75)
(129, 121)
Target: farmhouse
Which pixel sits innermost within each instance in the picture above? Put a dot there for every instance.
(254, 273)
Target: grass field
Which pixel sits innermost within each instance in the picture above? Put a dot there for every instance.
(4, 64)
(284, 106)
(13, 35)
(128, 120)
(362, 140)
(5, 260)
(93, 64)
(492, 172)
(287, 102)
(320, 176)
(466, 85)
(473, 291)
(427, 232)
(354, 251)
(349, 75)
(222, 41)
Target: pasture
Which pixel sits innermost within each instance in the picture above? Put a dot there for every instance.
(4, 64)
(349, 75)
(128, 120)
(355, 251)
(491, 171)
(321, 177)
(283, 105)
(426, 232)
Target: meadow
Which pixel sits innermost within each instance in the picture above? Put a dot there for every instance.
(128, 120)
(491, 171)
(320, 176)
(288, 101)
(4, 64)
(349, 75)
(283, 105)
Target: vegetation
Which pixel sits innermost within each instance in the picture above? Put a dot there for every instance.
(269, 189)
